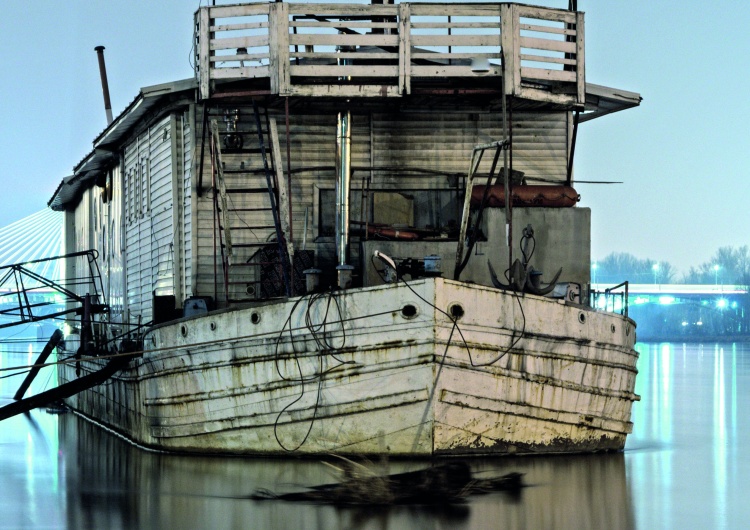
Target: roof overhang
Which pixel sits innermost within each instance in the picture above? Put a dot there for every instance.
(602, 100)
(103, 156)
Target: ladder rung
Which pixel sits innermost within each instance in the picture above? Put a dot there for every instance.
(249, 245)
(247, 190)
(249, 209)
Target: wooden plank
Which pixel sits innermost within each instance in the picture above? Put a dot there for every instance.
(440, 70)
(342, 55)
(343, 40)
(404, 49)
(339, 24)
(455, 25)
(548, 75)
(438, 56)
(546, 96)
(243, 57)
(343, 9)
(548, 45)
(546, 13)
(544, 59)
(204, 67)
(239, 10)
(237, 27)
(284, 197)
(346, 91)
(282, 42)
(512, 77)
(455, 10)
(239, 42)
(547, 29)
(248, 72)
(580, 58)
(455, 40)
(273, 47)
(321, 70)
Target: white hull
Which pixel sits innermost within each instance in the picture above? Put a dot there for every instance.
(392, 382)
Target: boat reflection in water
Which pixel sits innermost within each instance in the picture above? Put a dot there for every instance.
(110, 483)
(685, 466)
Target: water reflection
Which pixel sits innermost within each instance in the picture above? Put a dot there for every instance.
(685, 466)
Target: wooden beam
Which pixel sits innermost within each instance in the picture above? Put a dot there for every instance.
(281, 184)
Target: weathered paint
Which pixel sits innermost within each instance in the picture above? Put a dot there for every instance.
(391, 384)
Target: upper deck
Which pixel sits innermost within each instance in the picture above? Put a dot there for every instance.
(358, 50)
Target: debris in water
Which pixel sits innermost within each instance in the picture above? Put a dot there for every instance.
(449, 482)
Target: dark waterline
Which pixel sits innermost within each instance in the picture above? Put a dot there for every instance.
(685, 466)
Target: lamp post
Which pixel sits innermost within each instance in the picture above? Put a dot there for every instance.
(655, 268)
(716, 274)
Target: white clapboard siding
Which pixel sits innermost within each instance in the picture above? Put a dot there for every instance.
(148, 219)
(187, 228)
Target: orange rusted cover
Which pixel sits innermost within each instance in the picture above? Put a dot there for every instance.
(546, 196)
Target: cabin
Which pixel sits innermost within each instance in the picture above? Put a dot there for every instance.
(314, 135)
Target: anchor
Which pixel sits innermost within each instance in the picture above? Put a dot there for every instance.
(523, 276)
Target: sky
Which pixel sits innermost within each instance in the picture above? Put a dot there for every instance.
(682, 155)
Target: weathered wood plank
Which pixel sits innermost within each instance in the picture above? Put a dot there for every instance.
(343, 55)
(240, 10)
(343, 40)
(339, 24)
(237, 27)
(239, 42)
(343, 9)
(546, 13)
(249, 72)
(347, 91)
(455, 40)
(456, 25)
(204, 53)
(404, 48)
(440, 70)
(581, 58)
(548, 75)
(281, 21)
(456, 10)
(281, 183)
(321, 70)
(243, 57)
(544, 59)
(547, 29)
(545, 96)
(438, 56)
(548, 45)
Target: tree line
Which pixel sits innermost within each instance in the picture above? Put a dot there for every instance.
(729, 265)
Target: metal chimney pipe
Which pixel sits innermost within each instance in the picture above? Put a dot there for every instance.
(343, 185)
(105, 86)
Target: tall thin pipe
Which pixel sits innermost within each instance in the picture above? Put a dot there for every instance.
(105, 86)
(343, 184)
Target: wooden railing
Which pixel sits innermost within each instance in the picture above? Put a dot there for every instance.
(387, 50)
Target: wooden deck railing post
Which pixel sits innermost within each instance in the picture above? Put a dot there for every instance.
(581, 62)
(404, 49)
(508, 43)
(205, 36)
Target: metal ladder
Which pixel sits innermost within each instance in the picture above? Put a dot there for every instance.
(252, 232)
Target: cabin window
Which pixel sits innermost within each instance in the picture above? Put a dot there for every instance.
(436, 210)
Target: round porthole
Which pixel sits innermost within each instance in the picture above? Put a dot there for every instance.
(184, 330)
(255, 318)
(613, 328)
(250, 289)
(212, 325)
(409, 311)
(581, 318)
(456, 311)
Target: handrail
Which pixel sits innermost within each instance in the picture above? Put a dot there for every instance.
(391, 48)
(609, 297)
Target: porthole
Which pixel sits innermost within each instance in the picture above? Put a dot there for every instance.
(456, 311)
(212, 325)
(582, 318)
(250, 289)
(255, 318)
(613, 328)
(184, 330)
(409, 311)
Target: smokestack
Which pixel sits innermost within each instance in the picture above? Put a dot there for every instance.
(105, 86)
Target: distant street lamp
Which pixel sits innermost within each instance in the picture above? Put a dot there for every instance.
(655, 268)
(716, 274)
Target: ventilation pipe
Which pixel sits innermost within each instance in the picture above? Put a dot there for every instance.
(343, 185)
(105, 87)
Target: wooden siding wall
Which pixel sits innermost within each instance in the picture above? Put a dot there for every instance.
(188, 146)
(148, 218)
(427, 140)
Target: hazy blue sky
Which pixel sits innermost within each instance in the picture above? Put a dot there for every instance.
(683, 155)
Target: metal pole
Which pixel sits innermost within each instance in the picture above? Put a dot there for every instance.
(105, 86)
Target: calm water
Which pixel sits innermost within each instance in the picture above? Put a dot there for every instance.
(686, 465)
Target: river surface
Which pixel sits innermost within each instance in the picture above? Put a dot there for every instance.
(686, 465)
